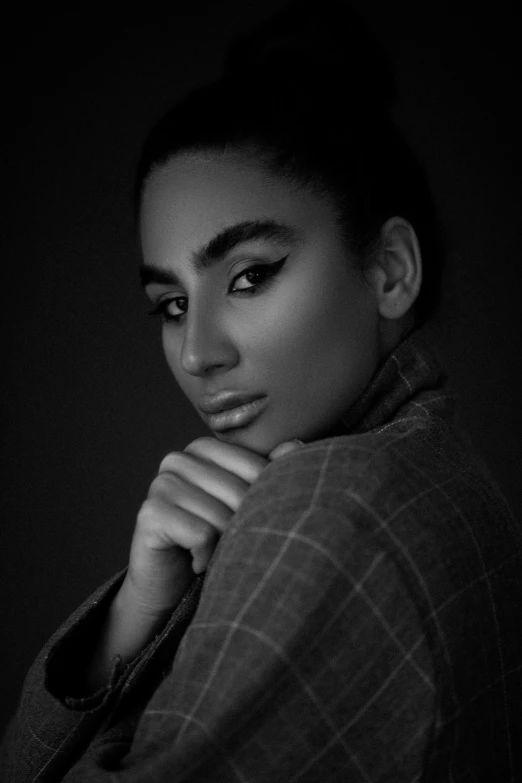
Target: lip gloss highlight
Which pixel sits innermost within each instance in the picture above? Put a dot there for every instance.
(236, 417)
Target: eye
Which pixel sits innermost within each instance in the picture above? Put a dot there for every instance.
(163, 308)
(257, 277)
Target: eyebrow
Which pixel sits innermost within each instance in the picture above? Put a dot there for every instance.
(222, 244)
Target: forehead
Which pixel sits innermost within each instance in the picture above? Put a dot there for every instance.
(193, 196)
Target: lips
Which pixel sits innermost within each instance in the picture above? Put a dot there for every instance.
(225, 401)
(239, 416)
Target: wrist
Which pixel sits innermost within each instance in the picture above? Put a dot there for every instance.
(134, 620)
(154, 585)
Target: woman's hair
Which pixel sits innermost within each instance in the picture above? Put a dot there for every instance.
(309, 93)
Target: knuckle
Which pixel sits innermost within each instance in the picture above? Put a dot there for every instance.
(147, 515)
(204, 440)
(164, 483)
(170, 462)
(237, 490)
(255, 472)
(219, 522)
(204, 536)
(235, 500)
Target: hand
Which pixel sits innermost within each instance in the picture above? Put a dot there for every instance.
(285, 448)
(188, 507)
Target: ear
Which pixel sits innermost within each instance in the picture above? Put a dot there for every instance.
(396, 275)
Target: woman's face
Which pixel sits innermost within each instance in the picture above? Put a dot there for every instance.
(300, 329)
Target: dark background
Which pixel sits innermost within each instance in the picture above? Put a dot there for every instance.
(90, 407)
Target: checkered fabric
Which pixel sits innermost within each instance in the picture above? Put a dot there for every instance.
(360, 620)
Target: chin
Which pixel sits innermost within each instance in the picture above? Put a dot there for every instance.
(246, 437)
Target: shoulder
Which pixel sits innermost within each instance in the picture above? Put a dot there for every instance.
(406, 492)
(356, 477)
(409, 496)
(305, 542)
(322, 511)
(304, 553)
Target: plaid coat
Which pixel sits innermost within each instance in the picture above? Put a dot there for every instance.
(360, 620)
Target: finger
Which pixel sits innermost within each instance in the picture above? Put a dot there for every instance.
(175, 491)
(227, 487)
(285, 448)
(165, 528)
(243, 462)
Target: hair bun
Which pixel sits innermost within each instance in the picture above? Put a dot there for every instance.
(322, 49)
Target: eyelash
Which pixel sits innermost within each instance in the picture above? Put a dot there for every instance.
(269, 271)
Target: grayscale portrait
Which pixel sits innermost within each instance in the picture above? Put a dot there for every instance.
(262, 497)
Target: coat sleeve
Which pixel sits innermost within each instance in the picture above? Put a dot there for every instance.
(306, 659)
(50, 729)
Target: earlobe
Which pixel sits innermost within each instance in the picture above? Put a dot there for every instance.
(400, 275)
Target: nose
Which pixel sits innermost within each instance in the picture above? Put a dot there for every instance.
(207, 346)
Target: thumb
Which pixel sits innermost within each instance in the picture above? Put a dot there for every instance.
(285, 448)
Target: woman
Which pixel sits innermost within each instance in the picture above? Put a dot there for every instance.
(327, 587)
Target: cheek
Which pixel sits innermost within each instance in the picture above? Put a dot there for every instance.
(311, 324)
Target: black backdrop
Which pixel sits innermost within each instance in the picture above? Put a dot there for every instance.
(90, 406)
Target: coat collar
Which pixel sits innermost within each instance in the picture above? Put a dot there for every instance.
(411, 381)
